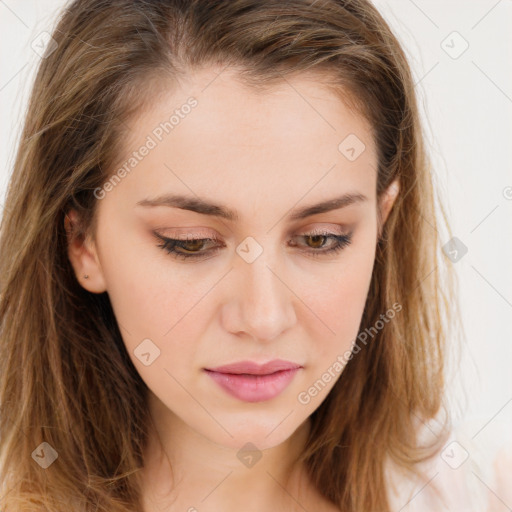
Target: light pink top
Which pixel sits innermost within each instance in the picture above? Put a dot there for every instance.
(460, 478)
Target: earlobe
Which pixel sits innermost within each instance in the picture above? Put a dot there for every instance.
(83, 255)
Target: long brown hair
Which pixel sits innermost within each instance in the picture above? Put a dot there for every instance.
(65, 376)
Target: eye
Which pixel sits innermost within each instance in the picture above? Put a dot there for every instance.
(187, 248)
(197, 247)
(318, 242)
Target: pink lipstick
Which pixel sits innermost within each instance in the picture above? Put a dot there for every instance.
(252, 382)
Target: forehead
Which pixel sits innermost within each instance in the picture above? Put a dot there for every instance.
(291, 138)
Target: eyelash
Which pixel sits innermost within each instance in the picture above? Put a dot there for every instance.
(169, 245)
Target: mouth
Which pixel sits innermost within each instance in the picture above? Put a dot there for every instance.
(251, 382)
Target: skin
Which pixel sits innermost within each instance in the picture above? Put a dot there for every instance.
(263, 155)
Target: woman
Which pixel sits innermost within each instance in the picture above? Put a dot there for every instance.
(220, 278)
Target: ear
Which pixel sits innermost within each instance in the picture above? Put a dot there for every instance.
(83, 255)
(386, 202)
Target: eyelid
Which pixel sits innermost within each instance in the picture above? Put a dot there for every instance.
(186, 234)
(325, 229)
(204, 233)
(322, 230)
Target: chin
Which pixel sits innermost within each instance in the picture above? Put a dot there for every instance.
(263, 431)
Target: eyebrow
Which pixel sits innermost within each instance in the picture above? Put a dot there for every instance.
(204, 207)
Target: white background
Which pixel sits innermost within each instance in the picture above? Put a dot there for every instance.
(466, 103)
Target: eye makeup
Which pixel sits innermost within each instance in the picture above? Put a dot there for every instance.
(197, 248)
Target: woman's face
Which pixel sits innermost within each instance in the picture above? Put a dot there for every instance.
(269, 284)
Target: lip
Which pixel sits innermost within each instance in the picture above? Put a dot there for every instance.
(253, 368)
(253, 382)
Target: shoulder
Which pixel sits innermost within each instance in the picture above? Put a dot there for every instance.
(460, 477)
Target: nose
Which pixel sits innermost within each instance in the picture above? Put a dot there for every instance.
(261, 302)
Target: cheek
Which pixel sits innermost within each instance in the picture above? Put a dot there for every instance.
(161, 307)
(156, 313)
(152, 299)
(339, 301)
